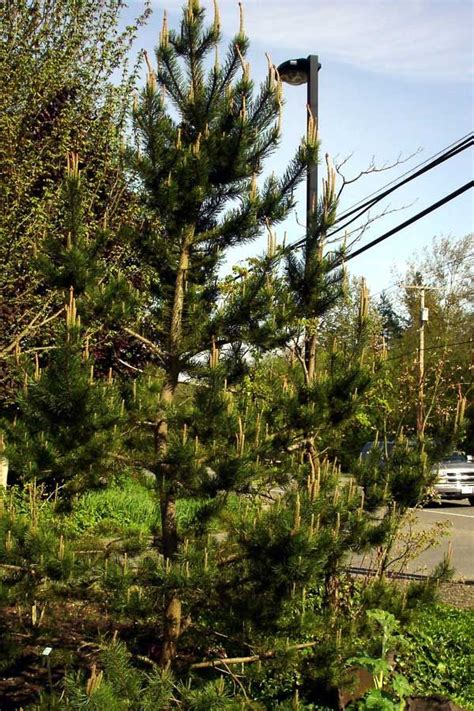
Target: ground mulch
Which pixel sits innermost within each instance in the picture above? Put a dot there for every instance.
(458, 595)
(76, 627)
(72, 629)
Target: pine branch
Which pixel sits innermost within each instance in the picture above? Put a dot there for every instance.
(156, 349)
(238, 47)
(20, 569)
(172, 78)
(212, 663)
(32, 326)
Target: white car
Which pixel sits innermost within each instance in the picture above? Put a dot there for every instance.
(455, 473)
(455, 478)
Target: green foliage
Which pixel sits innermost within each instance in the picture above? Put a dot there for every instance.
(77, 258)
(234, 537)
(39, 559)
(57, 100)
(252, 594)
(124, 507)
(401, 476)
(119, 685)
(390, 687)
(66, 431)
(393, 324)
(446, 270)
(202, 137)
(432, 655)
(438, 657)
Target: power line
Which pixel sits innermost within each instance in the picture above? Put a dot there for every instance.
(390, 233)
(407, 223)
(415, 167)
(461, 146)
(458, 147)
(430, 348)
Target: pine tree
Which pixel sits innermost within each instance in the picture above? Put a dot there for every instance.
(199, 168)
(65, 431)
(62, 425)
(316, 279)
(393, 323)
(75, 257)
(216, 433)
(56, 99)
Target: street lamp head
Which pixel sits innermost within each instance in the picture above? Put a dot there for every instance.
(294, 71)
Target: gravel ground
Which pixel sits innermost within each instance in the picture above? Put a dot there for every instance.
(458, 595)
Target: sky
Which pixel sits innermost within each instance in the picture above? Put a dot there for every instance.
(396, 80)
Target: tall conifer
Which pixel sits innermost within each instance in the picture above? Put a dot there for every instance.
(202, 136)
(201, 139)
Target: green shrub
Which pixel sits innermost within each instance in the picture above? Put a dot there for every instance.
(118, 685)
(439, 658)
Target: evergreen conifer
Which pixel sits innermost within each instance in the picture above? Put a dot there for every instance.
(56, 99)
(65, 430)
(198, 165)
(62, 427)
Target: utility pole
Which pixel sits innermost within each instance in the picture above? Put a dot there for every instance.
(420, 408)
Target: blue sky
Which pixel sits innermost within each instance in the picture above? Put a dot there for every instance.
(396, 77)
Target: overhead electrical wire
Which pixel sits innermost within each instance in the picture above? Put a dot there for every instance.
(462, 145)
(430, 348)
(396, 229)
(446, 154)
(438, 159)
(451, 146)
(409, 222)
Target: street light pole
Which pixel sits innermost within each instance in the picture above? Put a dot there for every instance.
(297, 72)
(312, 179)
(305, 71)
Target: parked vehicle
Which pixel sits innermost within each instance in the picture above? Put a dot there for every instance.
(455, 477)
(455, 472)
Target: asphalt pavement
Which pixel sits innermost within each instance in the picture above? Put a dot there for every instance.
(457, 535)
(460, 537)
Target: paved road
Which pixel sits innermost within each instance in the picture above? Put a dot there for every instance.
(460, 517)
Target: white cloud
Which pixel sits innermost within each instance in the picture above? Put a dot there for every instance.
(427, 39)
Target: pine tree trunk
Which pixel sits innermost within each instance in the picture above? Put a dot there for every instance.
(180, 288)
(167, 503)
(310, 356)
(169, 535)
(172, 614)
(172, 630)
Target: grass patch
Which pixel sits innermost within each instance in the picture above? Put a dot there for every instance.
(130, 506)
(124, 506)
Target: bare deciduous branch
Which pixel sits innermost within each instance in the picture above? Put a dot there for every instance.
(360, 231)
(33, 325)
(371, 168)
